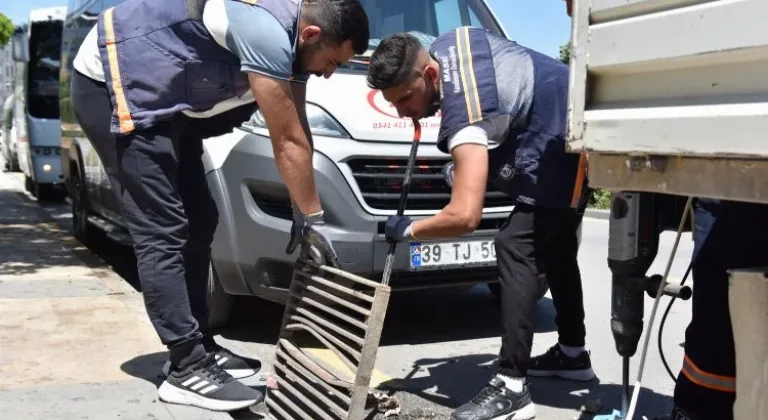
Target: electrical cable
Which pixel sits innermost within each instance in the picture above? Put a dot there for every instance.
(659, 294)
(669, 307)
(661, 327)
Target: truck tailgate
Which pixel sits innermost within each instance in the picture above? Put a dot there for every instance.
(667, 93)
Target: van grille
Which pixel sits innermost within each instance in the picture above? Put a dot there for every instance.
(380, 181)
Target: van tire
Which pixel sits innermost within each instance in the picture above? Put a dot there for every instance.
(83, 231)
(220, 303)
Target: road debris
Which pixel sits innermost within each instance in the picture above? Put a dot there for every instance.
(385, 403)
(590, 407)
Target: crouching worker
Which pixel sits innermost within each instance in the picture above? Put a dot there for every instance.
(492, 90)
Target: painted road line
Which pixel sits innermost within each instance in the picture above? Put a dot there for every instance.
(327, 356)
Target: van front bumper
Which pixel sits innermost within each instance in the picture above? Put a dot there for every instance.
(255, 219)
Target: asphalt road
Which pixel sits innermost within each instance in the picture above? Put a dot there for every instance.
(439, 347)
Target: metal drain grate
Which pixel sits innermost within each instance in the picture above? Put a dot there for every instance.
(336, 311)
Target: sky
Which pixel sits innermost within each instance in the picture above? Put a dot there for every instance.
(538, 24)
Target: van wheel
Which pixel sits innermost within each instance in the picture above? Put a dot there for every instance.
(83, 231)
(495, 289)
(220, 302)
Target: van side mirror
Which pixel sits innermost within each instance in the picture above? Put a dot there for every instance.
(20, 47)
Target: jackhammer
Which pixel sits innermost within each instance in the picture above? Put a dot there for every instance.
(636, 222)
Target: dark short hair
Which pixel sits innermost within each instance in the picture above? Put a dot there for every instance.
(340, 20)
(392, 62)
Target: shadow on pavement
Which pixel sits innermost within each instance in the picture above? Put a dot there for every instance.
(100, 252)
(440, 315)
(147, 366)
(110, 254)
(419, 317)
(25, 234)
(566, 394)
(451, 382)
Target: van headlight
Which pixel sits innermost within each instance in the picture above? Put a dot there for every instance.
(320, 123)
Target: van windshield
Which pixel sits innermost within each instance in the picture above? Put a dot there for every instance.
(429, 17)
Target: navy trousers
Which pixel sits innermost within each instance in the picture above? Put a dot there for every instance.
(158, 178)
(727, 235)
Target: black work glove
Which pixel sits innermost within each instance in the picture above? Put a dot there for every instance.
(398, 229)
(312, 230)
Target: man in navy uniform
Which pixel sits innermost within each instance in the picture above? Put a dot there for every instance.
(492, 90)
(151, 81)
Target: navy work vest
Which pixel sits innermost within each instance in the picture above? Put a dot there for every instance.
(159, 59)
(531, 164)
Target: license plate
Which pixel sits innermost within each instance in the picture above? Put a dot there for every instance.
(454, 253)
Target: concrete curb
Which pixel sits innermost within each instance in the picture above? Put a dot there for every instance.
(597, 214)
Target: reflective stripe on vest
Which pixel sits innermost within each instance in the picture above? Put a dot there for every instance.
(468, 82)
(707, 380)
(581, 174)
(123, 114)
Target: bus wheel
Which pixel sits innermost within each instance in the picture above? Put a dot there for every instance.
(45, 192)
(29, 186)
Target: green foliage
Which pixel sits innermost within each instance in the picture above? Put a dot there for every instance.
(6, 29)
(565, 53)
(601, 199)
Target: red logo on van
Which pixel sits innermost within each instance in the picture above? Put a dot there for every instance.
(379, 104)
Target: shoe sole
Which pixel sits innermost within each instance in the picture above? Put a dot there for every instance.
(526, 413)
(174, 395)
(583, 375)
(241, 373)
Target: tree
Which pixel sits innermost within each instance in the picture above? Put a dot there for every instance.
(6, 29)
(565, 53)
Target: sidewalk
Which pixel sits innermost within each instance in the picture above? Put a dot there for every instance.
(75, 342)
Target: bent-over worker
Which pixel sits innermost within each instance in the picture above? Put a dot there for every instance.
(490, 89)
(151, 81)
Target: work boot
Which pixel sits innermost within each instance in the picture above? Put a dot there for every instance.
(555, 363)
(206, 385)
(496, 401)
(238, 366)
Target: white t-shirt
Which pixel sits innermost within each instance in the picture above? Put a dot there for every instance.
(248, 31)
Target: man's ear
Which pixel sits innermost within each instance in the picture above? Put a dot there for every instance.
(311, 34)
(431, 74)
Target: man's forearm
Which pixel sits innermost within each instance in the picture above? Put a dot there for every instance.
(305, 127)
(448, 223)
(293, 158)
(308, 133)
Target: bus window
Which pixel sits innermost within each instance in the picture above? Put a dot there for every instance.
(43, 69)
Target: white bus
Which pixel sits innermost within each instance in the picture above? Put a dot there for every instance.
(37, 52)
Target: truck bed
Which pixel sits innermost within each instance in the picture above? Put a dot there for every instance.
(671, 96)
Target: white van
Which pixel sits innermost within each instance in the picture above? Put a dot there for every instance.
(361, 152)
